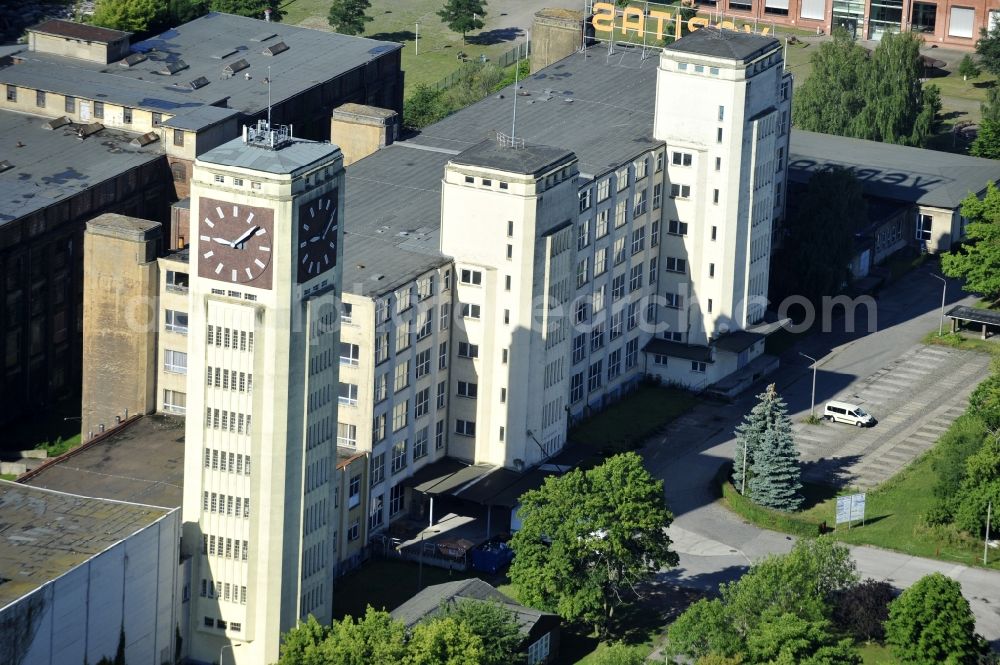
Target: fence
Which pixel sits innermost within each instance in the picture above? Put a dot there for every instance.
(519, 52)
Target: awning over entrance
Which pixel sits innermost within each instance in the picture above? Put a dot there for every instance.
(962, 315)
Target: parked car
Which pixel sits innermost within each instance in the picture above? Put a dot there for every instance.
(844, 412)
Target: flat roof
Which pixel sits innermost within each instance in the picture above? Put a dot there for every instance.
(200, 117)
(392, 214)
(44, 534)
(894, 172)
(142, 462)
(288, 158)
(679, 350)
(532, 159)
(206, 46)
(975, 315)
(74, 30)
(721, 43)
(49, 165)
(427, 603)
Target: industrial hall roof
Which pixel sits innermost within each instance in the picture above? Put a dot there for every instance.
(74, 30)
(895, 172)
(217, 59)
(44, 534)
(40, 166)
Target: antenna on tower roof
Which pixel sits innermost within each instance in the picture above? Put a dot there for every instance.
(517, 68)
(269, 93)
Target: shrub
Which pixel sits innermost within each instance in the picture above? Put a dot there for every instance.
(862, 609)
(931, 623)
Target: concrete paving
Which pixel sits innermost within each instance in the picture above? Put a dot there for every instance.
(915, 391)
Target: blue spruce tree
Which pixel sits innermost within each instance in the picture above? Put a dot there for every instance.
(771, 459)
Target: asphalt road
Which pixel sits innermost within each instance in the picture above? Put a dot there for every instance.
(716, 546)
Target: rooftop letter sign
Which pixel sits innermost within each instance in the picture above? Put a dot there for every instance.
(652, 19)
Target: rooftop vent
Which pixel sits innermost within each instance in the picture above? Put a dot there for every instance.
(56, 123)
(145, 139)
(222, 55)
(170, 68)
(264, 36)
(275, 49)
(5, 166)
(83, 131)
(199, 82)
(237, 66)
(132, 60)
(377, 277)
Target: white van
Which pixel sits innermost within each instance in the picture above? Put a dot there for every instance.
(844, 412)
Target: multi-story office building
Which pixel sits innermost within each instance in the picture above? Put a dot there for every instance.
(260, 457)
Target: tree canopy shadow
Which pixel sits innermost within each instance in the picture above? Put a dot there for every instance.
(396, 36)
(495, 36)
(829, 476)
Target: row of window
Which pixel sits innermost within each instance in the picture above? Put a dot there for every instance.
(223, 591)
(227, 338)
(227, 379)
(224, 504)
(229, 548)
(234, 626)
(595, 373)
(622, 181)
(405, 297)
(697, 366)
(230, 462)
(227, 421)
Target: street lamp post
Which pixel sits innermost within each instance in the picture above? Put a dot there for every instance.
(420, 559)
(223, 649)
(944, 293)
(812, 405)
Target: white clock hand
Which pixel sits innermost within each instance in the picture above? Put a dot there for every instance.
(242, 238)
(330, 223)
(221, 241)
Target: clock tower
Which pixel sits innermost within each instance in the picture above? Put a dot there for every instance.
(260, 439)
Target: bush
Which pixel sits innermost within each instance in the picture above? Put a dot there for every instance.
(619, 654)
(862, 609)
(931, 623)
(984, 402)
(959, 442)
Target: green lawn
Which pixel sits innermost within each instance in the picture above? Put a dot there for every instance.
(991, 346)
(633, 419)
(8, 476)
(876, 654)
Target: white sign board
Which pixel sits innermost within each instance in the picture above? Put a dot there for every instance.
(850, 508)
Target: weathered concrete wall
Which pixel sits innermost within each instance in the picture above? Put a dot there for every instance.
(119, 320)
(360, 130)
(555, 34)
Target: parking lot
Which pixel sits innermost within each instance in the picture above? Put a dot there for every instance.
(915, 398)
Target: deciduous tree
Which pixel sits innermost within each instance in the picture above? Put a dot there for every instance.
(463, 15)
(833, 95)
(495, 626)
(303, 645)
(988, 48)
(791, 639)
(129, 15)
(374, 638)
(931, 623)
(251, 8)
(348, 16)
(977, 261)
(861, 610)
(443, 641)
(987, 141)
(588, 538)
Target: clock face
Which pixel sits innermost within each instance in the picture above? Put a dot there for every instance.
(235, 243)
(318, 229)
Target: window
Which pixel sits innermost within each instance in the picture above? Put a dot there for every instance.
(620, 213)
(718, 134)
(396, 495)
(425, 287)
(673, 300)
(698, 366)
(638, 240)
(621, 176)
(603, 190)
(582, 272)
(715, 232)
(503, 185)
(676, 228)
(709, 304)
(510, 229)
(676, 265)
(539, 651)
(600, 261)
(619, 251)
(680, 191)
(70, 104)
(99, 110)
(711, 270)
(585, 199)
(470, 311)
(423, 363)
(347, 435)
(422, 402)
(354, 491)
(400, 415)
(583, 234)
(381, 387)
(175, 402)
(348, 394)
(601, 229)
(350, 354)
(680, 158)
(398, 456)
(635, 278)
(468, 389)
(420, 444)
(659, 162)
(639, 204)
(924, 226)
(375, 513)
(614, 363)
(402, 378)
(579, 347)
(466, 350)
(442, 355)
(175, 361)
(597, 336)
(631, 353)
(157, 119)
(640, 169)
(127, 115)
(402, 336)
(715, 196)
(718, 163)
(378, 427)
(465, 427)
(657, 195)
(439, 435)
(175, 321)
(660, 359)
(474, 277)
(445, 316)
(177, 281)
(377, 469)
(469, 179)
(617, 287)
(506, 282)
(40, 98)
(722, 113)
(354, 531)
(594, 376)
(576, 387)
(510, 252)
(11, 93)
